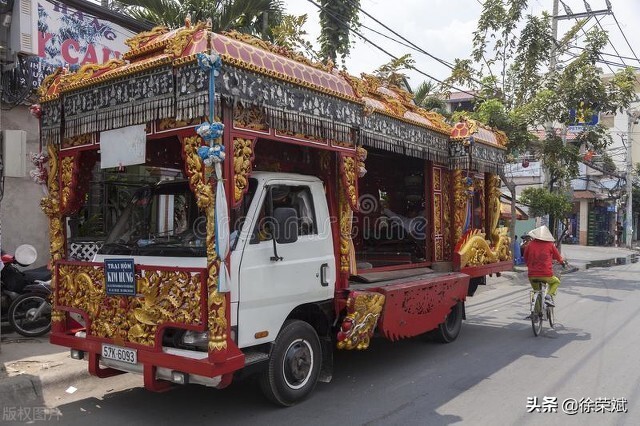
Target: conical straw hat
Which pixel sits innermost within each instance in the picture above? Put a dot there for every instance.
(541, 233)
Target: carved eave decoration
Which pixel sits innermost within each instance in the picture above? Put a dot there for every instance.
(48, 89)
(146, 42)
(395, 102)
(467, 128)
(475, 146)
(114, 70)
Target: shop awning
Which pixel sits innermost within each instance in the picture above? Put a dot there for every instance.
(505, 211)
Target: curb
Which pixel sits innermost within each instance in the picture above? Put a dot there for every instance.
(30, 388)
(18, 391)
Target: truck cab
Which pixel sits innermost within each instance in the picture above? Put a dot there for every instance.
(270, 277)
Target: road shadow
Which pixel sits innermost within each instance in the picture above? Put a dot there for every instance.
(386, 384)
(406, 382)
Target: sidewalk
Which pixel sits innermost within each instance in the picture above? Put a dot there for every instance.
(29, 367)
(585, 257)
(36, 373)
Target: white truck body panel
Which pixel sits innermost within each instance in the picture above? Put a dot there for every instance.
(269, 290)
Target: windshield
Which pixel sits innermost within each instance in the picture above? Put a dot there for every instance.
(164, 220)
(159, 221)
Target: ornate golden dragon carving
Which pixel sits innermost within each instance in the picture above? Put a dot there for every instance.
(203, 190)
(165, 296)
(363, 311)
(51, 207)
(242, 165)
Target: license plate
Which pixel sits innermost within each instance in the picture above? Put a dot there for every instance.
(118, 353)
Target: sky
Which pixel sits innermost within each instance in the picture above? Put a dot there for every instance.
(444, 28)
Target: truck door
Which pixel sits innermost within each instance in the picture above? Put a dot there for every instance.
(270, 289)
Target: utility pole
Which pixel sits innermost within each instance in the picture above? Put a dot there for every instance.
(554, 48)
(554, 33)
(553, 60)
(632, 117)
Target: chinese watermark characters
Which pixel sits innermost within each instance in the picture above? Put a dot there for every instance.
(30, 414)
(572, 406)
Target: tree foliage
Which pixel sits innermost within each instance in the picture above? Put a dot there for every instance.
(543, 202)
(337, 18)
(392, 72)
(426, 95)
(519, 92)
(254, 17)
(290, 34)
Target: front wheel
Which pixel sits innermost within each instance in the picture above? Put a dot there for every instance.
(294, 364)
(30, 315)
(449, 330)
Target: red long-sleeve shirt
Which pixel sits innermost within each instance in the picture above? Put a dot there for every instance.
(539, 256)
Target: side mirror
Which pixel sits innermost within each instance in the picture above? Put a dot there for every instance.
(285, 226)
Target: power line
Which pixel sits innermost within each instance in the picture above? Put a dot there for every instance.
(608, 63)
(390, 38)
(416, 47)
(387, 53)
(624, 35)
(605, 54)
(568, 11)
(610, 42)
(409, 42)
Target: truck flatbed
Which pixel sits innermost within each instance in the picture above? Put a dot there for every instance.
(373, 280)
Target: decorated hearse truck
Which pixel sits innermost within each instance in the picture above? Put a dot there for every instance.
(307, 210)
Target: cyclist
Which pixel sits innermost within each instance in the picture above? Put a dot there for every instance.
(539, 255)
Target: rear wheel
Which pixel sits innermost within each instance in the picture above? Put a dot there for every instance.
(294, 364)
(536, 315)
(30, 315)
(449, 330)
(551, 316)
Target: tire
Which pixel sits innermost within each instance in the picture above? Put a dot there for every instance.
(536, 315)
(21, 314)
(294, 364)
(551, 316)
(449, 330)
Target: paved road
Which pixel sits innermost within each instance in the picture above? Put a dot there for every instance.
(485, 377)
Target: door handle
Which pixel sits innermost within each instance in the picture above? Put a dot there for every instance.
(323, 275)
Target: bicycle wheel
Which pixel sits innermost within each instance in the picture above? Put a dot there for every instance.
(536, 315)
(551, 316)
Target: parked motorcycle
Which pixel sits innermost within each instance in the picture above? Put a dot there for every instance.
(25, 295)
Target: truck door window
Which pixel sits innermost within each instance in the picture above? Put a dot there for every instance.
(296, 197)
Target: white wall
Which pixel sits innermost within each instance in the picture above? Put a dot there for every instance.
(22, 218)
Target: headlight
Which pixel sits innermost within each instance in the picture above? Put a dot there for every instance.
(195, 338)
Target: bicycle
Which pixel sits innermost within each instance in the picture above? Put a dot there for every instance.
(540, 310)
